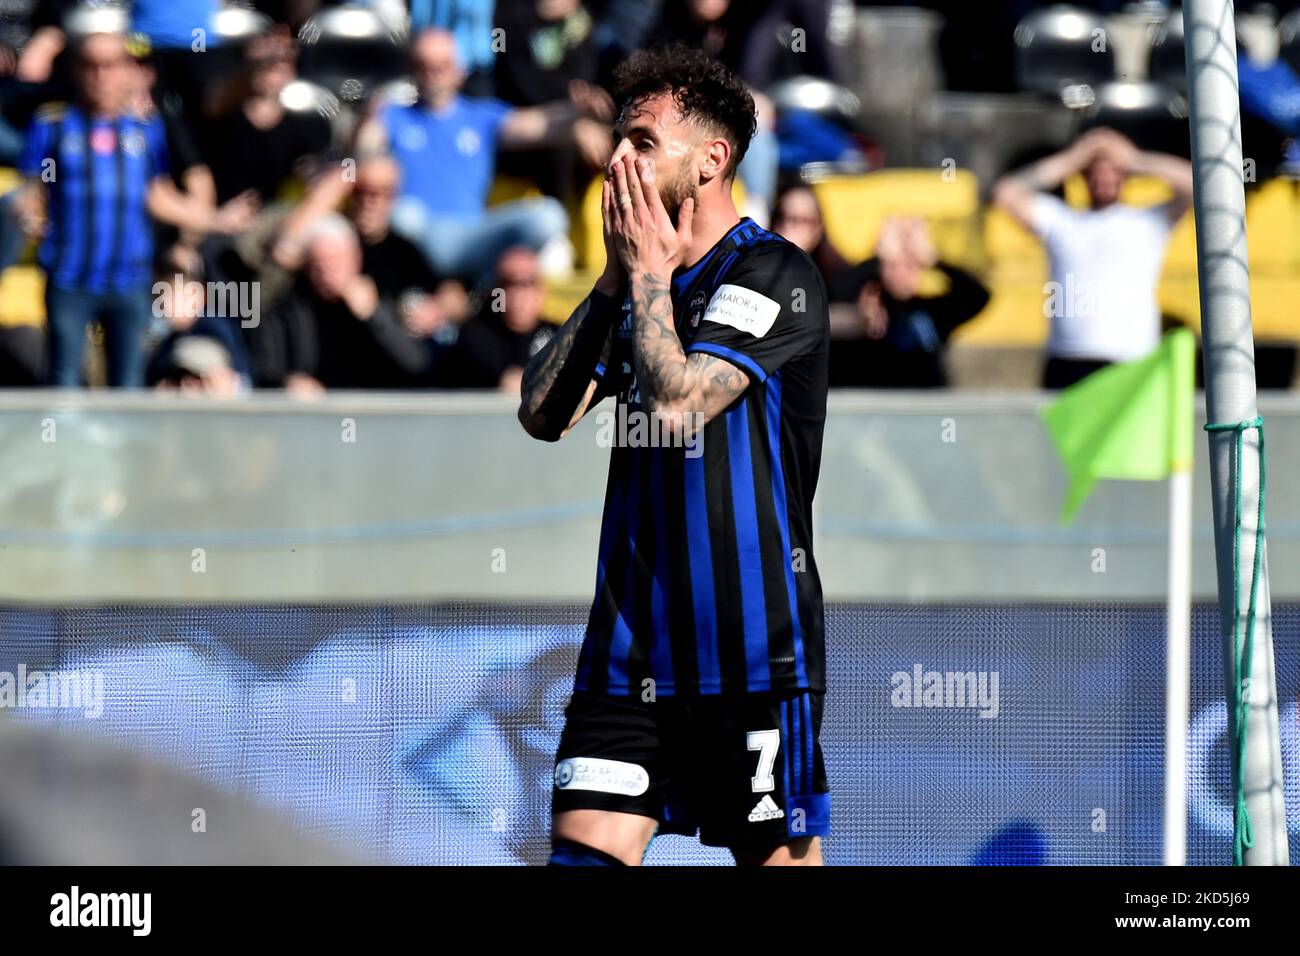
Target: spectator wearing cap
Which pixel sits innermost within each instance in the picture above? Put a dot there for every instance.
(180, 32)
(195, 364)
(94, 172)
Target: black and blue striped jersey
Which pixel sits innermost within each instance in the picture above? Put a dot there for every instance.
(97, 172)
(705, 580)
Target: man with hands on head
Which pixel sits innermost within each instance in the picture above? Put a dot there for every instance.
(699, 692)
(1104, 261)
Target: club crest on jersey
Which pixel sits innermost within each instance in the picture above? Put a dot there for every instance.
(695, 311)
(133, 143)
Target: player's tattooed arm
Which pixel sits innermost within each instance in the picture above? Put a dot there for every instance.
(687, 391)
(557, 384)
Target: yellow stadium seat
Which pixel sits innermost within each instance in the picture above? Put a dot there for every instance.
(22, 296)
(587, 231)
(1180, 254)
(509, 188)
(1272, 221)
(1010, 247)
(855, 207)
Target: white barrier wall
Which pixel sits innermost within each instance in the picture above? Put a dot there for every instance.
(946, 497)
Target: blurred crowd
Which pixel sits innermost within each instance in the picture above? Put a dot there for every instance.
(207, 220)
(204, 220)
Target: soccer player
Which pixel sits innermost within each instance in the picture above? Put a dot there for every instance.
(700, 684)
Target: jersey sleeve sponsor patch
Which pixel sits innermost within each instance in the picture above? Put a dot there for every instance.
(742, 309)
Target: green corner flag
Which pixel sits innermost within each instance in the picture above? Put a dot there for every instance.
(1132, 420)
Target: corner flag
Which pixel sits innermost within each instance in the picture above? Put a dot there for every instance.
(1132, 420)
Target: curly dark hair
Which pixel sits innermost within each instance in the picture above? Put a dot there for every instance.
(704, 90)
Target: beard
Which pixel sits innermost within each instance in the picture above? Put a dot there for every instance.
(675, 191)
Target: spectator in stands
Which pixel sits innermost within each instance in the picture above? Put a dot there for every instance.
(623, 28)
(896, 336)
(252, 141)
(189, 171)
(180, 298)
(430, 307)
(797, 216)
(1105, 261)
(180, 31)
(556, 47)
(101, 172)
(769, 52)
(495, 346)
(470, 24)
(334, 330)
(195, 365)
(555, 59)
(446, 145)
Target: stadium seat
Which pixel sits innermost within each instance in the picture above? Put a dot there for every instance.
(1058, 48)
(350, 50)
(511, 188)
(1151, 114)
(1168, 57)
(587, 230)
(855, 207)
(234, 27)
(1272, 225)
(1010, 248)
(22, 296)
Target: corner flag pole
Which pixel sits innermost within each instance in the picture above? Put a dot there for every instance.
(1178, 663)
(1237, 439)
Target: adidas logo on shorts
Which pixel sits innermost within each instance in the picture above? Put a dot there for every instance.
(766, 810)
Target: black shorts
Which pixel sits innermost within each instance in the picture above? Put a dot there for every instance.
(745, 770)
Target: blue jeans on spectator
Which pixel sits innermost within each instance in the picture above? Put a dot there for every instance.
(124, 316)
(469, 248)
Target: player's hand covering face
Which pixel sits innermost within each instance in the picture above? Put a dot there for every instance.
(644, 235)
(650, 179)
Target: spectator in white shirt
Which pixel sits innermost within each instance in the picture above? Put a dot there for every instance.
(1105, 261)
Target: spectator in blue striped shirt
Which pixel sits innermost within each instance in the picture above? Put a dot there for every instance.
(95, 172)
